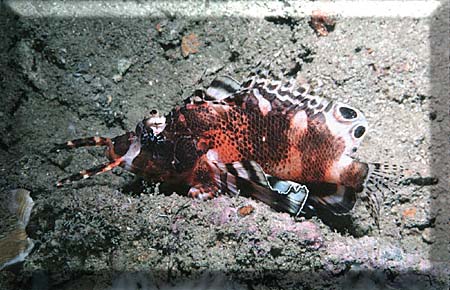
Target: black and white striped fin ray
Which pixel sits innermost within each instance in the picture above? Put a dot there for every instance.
(336, 198)
(221, 88)
(381, 178)
(83, 142)
(230, 175)
(248, 178)
(102, 168)
(289, 93)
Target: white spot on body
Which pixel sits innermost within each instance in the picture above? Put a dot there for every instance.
(221, 108)
(212, 155)
(264, 105)
(337, 168)
(97, 139)
(300, 121)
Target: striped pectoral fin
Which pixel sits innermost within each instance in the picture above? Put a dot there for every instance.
(336, 198)
(381, 178)
(90, 172)
(248, 178)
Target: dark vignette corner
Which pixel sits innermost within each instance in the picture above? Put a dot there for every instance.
(440, 84)
(439, 38)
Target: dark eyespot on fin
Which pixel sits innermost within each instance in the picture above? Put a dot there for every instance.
(380, 178)
(248, 178)
(221, 88)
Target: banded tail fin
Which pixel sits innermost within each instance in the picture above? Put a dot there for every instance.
(380, 177)
(248, 178)
(90, 172)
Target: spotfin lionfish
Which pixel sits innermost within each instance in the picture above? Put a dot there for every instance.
(268, 139)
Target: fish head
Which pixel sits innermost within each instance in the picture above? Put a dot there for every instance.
(150, 154)
(349, 124)
(143, 151)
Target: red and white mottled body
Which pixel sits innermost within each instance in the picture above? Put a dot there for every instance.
(258, 136)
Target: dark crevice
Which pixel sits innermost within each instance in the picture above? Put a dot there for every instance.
(283, 20)
(33, 87)
(118, 121)
(18, 102)
(294, 70)
(168, 45)
(4, 146)
(63, 103)
(14, 40)
(307, 54)
(421, 181)
(234, 56)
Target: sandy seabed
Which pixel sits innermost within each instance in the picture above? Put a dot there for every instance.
(69, 77)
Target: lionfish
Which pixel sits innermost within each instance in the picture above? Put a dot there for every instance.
(275, 141)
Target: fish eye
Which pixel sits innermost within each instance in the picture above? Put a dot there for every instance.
(348, 113)
(359, 131)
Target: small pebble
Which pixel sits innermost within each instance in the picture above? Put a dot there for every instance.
(83, 67)
(117, 78)
(123, 65)
(245, 210)
(427, 236)
(54, 243)
(87, 78)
